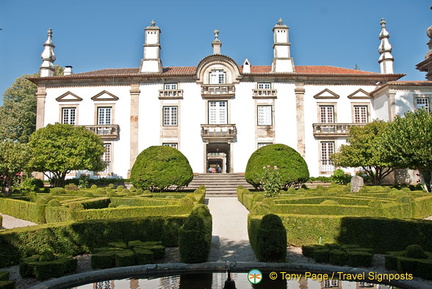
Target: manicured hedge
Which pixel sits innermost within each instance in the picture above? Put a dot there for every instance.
(7, 284)
(400, 262)
(35, 266)
(271, 240)
(95, 203)
(384, 234)
(195, 236)
(135, 202)
(302, 229)
(82, 237)
(33, 212)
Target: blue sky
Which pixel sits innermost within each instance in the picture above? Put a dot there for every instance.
(94, 34)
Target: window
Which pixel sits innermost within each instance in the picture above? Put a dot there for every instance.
(264, 85)
(330, 283)
(422, 102)
(327, 149)
(104, 115)
(326, 113)
(170, 116)
(264, 115)
(170, 86)
(360, 114)
(106, 157)
(173, 145)
(69, 115)
(263, 144)
(218, 112)
(217, 76)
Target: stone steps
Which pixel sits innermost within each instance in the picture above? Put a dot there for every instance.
(219, 185)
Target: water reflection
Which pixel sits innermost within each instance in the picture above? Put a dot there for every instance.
(217, 281)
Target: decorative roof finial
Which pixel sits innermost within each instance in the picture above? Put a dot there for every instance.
(216, 34)
(280, 22)
(386, 58)
(153, 23)
(48, 57)
(217, 44)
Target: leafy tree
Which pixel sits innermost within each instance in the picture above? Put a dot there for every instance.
(407, 143)
(160, 167)
(291, 167)
(13, 161)
(60, 148)
(363, 151)
(18, 113)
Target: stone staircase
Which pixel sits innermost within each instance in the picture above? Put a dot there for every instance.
(219, 185)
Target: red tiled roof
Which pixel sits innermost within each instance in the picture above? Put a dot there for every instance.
(255, 69)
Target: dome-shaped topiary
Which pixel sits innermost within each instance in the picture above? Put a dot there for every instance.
(160, 167)
(415, 251)
(292, 168)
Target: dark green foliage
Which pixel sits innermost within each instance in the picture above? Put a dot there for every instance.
(271, 242)
(193, 242)
(321, 255)
(391, 260)
(340, 177)
(337, 257)
(384, 234)
(57, 191)
(7, 284)
(125, 258)
(420, 267)
(143, 256)
(359, 258)
(33, 212)
(160, 167)
(43, 267)
(292, 167)
(415, 251)
(103, 260)
(308, 250)
(81, 237)
(4, 276)
(54, 203)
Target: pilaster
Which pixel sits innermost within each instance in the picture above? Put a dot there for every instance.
(134, 121)
(391, 106)
(40, 106)
(299, 92)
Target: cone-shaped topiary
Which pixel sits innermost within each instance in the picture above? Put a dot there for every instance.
(160, 167)
(271, 240)
(292, 168)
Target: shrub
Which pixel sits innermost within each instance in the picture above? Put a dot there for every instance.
(32, 185)
(71, 187)
(160, 167)
(94, 187)
(271, 243)
(337, 257)
(359, 259)
(4, 276)
(43, 267)
(7, 285)
(120, 188)
(57, 191)
(339, 177)
(54, 203)
(321, 255)
(194, 244)
(415, 251)
(292, 167)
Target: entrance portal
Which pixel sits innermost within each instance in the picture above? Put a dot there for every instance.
(218, 158)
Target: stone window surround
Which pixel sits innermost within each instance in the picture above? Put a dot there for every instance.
(367, 104)
(96, 111)
(62, 106)
(334, 104)
(320, 165)
(419, 96)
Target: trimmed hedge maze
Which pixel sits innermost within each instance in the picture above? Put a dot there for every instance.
(77, 222)
(326, 215)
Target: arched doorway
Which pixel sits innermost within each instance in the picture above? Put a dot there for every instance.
(218, 158)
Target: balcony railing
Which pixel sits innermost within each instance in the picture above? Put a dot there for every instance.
(107, 131)
(333, 129)
(218, 132)
(264, 93)
(170, 93)
(217, 90)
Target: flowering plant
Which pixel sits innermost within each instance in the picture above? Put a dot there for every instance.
(271, 180)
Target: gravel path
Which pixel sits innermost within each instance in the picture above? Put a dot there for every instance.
(10, 222)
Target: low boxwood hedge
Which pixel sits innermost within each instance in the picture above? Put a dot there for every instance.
(7, 284)
(73, 238)
(339, 255)
(35, 266)
(33, 212)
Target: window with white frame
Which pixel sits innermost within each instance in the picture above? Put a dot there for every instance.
(171, 144)
(264, 85)
(170, 116)
(217, 112)
(326, 113)
(69, 115)
(217, 76)
(264, 115)
(360, 113)
(104, 116)
(327, 149)
(106, 157)
(330, 283)
(170, 86)
(263, 144)
(422, 103)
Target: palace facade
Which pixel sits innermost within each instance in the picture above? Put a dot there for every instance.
(219, 112)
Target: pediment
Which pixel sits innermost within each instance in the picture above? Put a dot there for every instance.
(326, 94)
(359, 94)
(104, 96)
(68, 97)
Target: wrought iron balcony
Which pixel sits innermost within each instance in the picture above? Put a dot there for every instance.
(217, 90)
(333, 129)
(170, 93)
(106, 131)
(218, 132)
(264, 93)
